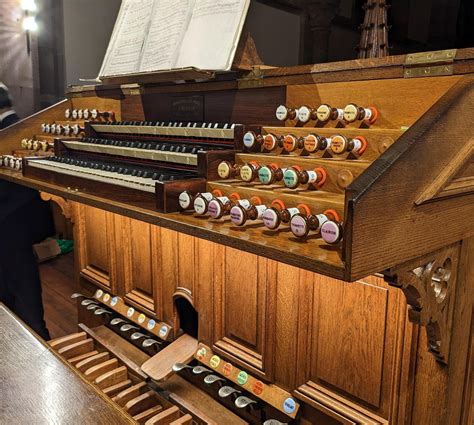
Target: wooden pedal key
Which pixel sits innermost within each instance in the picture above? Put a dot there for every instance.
(165, 418)
(59, 343)
(134, 391)
(141, 403)
(112, 377)
(95, 371)
(98, 358)
(77, 349)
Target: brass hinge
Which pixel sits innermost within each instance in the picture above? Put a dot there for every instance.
(131, 89)
(252, 79)
(429, 64)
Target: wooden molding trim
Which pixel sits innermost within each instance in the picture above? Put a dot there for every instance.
(429, 285)
(448, 182)
(337, 408)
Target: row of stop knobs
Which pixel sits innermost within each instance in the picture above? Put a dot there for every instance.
(86, 114)
(292, 177)
(325, 113)
(11, 161)
(37, 145)
(337, 144)
(65, 130)
(302, 220)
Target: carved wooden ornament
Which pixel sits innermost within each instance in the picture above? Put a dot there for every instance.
(429, 284)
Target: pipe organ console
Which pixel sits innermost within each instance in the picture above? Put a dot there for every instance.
(286, 245)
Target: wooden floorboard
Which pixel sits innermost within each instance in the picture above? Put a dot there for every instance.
(57, 278)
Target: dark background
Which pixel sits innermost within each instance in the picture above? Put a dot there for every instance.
(73, 36)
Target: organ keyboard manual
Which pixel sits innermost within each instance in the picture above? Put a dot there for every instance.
(202, 34)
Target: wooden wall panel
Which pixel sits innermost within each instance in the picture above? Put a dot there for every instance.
(95, 241)
(187, 262)
(165, 257)
(244, 310)
(354, 345)
(138, 266)
(346, 345)
(232, 106)
(286, 323)
(206, 262)
(349, 344)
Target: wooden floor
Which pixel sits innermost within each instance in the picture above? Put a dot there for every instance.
(57, 277)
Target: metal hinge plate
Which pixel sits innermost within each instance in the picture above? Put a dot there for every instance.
(429, 64)
(252, 80)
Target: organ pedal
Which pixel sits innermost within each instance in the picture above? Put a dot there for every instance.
(109, 373)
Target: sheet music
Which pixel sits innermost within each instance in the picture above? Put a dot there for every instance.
(212, 35)
(168, 25)
(156, 35)
(125, 48)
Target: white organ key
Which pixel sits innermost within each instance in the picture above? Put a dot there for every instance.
(124, 180)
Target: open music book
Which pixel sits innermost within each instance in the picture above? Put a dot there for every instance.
(157, 35)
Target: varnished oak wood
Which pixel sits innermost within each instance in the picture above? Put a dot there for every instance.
(93, 372)
(59, 343)
(347, 352)
(140, 403)
(329, 263)
(183, 420)
(412, 231)
(147, 414)
(181, 392)
(92, 361)
(111, 378)
(132, 392)
(160, 366)
(113, 390)
(39, 387)
(78, 359)
(164, 418)
(76, 349)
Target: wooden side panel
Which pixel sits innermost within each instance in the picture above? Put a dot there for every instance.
(28, 127)
(387, 191)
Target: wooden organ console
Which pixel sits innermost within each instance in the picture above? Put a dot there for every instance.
(286, 245)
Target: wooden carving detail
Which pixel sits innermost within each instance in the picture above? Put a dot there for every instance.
(374, 37)
(64, 205)
(429, 284)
